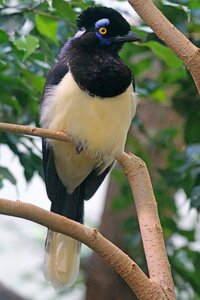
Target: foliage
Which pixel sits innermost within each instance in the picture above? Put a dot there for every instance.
(31, 34)
(162, 78)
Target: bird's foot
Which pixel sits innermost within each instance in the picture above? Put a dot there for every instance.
(80, 147)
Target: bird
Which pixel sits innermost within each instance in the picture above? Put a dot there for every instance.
(90, 94)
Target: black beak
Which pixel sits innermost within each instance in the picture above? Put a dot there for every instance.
(129, 37)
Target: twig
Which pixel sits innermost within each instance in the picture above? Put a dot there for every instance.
(35, 131)
(170, 35)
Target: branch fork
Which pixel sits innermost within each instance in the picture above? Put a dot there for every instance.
(160, 284)
(171, 36)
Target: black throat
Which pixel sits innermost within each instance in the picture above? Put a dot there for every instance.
(98, 71)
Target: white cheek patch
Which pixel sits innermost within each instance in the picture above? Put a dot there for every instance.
(79, 33)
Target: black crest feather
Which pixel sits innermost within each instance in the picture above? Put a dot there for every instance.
(90, 16)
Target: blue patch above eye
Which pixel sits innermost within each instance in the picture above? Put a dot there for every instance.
(104, 41)
(102, 23)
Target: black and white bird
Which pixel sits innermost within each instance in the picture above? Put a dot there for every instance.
(89, 93)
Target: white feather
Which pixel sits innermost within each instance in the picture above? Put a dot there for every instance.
(62, 259)
(101, 125)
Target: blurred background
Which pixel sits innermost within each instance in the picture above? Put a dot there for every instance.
(165, 133)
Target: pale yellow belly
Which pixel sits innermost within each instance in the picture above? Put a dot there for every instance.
(100, 124)
(72, 168)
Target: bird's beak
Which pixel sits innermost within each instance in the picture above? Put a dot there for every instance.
(129, 37)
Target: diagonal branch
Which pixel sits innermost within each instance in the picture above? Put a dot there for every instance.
(116, 258)
(160, 285)
(170, 35)
(151, 230)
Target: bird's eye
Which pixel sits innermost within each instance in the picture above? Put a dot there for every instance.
(102, 30)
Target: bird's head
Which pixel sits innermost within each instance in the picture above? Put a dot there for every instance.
(105, 28)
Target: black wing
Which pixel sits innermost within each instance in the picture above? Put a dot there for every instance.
(69, 205)
(57, 193)
(63, 203)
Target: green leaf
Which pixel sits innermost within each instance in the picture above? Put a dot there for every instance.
(120, 203)
(192, 132)
(28, 44)
(65, 10)
(3, 37)
(130, 225)
(35, 81)
(47, 27)
(160, 95)
(2, 3)
(164, 53)
(193, 4)
(185, 8)
(3, 64)
(6, 174)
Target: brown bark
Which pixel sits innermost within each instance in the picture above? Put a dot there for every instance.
(101, 281)
(35, 131)
(160, 286)
(170, 35)
(144, 287)
(118, 260)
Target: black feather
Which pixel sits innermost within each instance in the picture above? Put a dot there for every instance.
(63, 203)
(88, 18)
(57, 73)
(101, 73)
(93, 181)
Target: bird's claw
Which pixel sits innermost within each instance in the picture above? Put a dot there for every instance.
(79, 148)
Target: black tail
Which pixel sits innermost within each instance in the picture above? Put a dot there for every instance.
(69, 205)
(62, 256)
(63, 203)
(62, 253)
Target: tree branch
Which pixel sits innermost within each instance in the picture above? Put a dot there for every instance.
(160, 285)
(151, 230)
(121, 263)
(170, 35)
(35, 131)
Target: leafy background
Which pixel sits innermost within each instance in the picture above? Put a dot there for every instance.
(31, 34)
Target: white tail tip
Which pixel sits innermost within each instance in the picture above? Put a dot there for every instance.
(61, 261)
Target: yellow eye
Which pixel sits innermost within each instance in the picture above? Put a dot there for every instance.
(102, 30)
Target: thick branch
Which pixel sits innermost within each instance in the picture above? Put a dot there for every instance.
(169, 34)
(117, 259)
(160, 285)
(151, 230)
